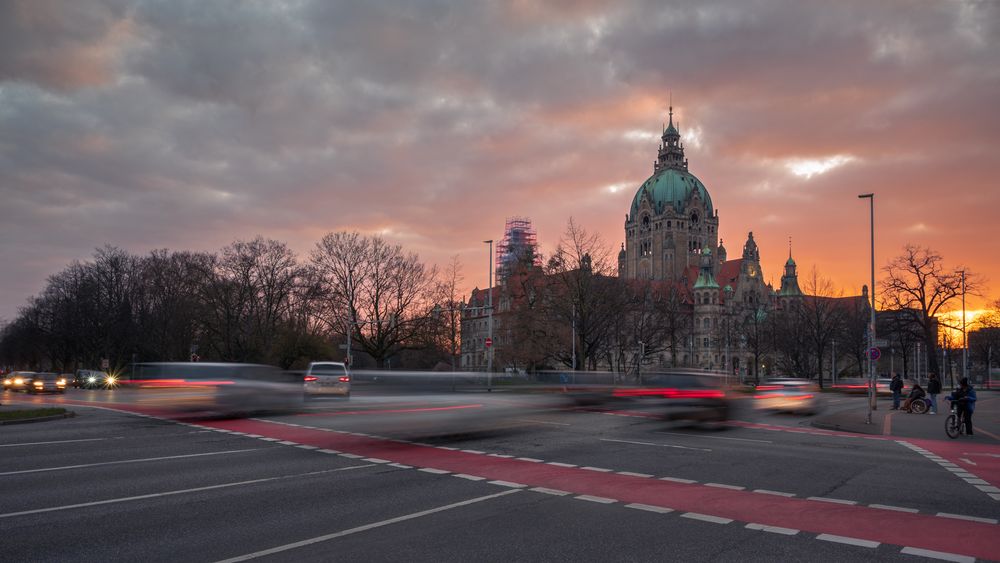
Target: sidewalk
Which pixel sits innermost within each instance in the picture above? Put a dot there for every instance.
(886, 422)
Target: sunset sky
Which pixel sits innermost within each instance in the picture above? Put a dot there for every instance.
(187, 124)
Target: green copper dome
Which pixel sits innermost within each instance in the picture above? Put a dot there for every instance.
(671, 186)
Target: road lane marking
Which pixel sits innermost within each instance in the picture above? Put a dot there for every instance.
(967, 460)
(706, 518)
(600, 500)
(58, 442)
(434, 471)
(547, 491)
(969, 518)
(896, 508)
(649, 508)
(364, 528)
(508, 484)
(98, 464)
(598, 469)
(833, 500)
(724, 486)
(531, 459)
(678, 480)
(633, 474)
(469, 477)
(772, 529)
(654, 444)
(776, 493)
(715, 437)
(848, 541)
(937, 555)
(559, 464)
(177, 492)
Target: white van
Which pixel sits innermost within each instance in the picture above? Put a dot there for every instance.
(327, 378)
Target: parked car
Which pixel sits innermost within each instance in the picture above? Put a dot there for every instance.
(327, 378)
(786, 394)
(93, 379)
(18, 380)
(47, 383)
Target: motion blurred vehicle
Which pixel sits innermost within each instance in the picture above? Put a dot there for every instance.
(212, 389)
(17, 381)
(787, 394)
(46, 383)
(327, 378)
(93, 379)
(681, 396)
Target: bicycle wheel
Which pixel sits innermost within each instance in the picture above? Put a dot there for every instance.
(951, 426)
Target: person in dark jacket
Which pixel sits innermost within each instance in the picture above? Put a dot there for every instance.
(896, 386)
(965, 399)
(917, 392)
(933, 388)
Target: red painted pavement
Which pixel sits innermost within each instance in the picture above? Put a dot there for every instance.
(985, 457)
(915, 530)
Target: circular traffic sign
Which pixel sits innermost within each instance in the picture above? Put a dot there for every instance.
(489, 342)
(874, 353)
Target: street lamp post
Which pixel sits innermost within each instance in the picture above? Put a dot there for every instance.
(871, 329)
(489, 321)
(965, 342)
(351, 321)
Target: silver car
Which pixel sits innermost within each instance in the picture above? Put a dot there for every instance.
(327, 378)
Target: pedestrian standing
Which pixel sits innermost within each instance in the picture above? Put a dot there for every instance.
(965, 399)
(933, 388)
(896, 386)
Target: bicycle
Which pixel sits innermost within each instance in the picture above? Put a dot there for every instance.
(953, 425)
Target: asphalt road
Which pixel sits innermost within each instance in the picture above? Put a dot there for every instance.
(483, 477)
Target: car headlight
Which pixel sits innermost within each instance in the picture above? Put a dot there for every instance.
(92, 379)
(18, 381)
(39, 383)
(60, 382)
(111, 380)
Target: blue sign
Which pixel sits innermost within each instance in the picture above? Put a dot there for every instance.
(874, 354)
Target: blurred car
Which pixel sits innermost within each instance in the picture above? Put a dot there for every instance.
(327, 378)
(17, 381)
(93, 379)
(882, 386)
(786, 394)
(46, 383)
(687, 396)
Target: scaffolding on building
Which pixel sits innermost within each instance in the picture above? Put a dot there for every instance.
(518, 245)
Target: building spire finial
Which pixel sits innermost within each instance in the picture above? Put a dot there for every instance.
(789, 247)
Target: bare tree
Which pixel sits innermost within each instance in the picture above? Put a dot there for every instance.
(821, 316)
(917, 279)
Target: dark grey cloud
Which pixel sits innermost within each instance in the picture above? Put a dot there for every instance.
(187, 124)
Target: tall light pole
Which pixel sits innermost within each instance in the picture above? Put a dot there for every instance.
(489, 321)
(351, 321)
(871, 328)
(965, 342)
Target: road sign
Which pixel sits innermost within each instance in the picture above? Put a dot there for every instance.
(105, 364)
(881, 342)
(874, 354)
(489, 342)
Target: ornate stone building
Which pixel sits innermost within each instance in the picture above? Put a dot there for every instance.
(672, 236)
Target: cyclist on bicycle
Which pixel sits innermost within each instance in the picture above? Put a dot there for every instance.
(965, 400)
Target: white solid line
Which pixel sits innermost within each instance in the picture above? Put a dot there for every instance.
(649, 508)
(434, 471)
(777, 493)
(772, 529)
(716, 437)
(706, 518)
(547, 491)
(559, 464)
(833, 500)
(848, 541)
(723, 486)
(507, 484)
(655, 445)
(633, 474)
(896, 508)
(364, 528)
(177, 492)
(598, 469)
(937, 555)
(969, 518)
(375, 460)
(23, 471)
(678, 480)
(601, 500)
(531, 459)
(469, 477)
(53, 442)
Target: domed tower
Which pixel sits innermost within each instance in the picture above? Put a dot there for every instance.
(671, 218)
(790, 281)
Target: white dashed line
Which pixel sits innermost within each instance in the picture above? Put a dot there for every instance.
(473, 452)
(508, 484)
(678, 480)
(350, 456)
(601, 500)
(706, 518)
(328, 451)
(722, 486)
(469, 477)
(848, 541)
(634, 474)
(937, 555)
(434, 471)
(401, 466)
(559, 464)
(896, 508)
(287, 443)
(531, 459)
(375, 460)
(307, 447)
(833, 500)
(598, 469)
(554, 492)
(969, 518)
(772, 529)
(776, 493)
(649, 508)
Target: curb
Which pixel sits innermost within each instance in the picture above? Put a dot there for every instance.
(839, 428)
(67, 414)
